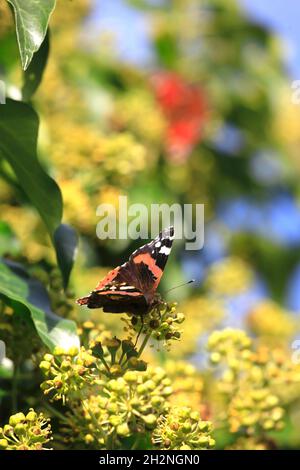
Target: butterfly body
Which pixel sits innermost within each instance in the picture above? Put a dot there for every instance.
(131, 287)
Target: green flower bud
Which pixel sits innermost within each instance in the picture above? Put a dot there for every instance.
(73, 351)
(45, 366)
(48, 357)
(88, 438)
(20, 429)
(156, 401)
(133, 363)
(116, 370)
(45, 385)
(112, 344)
(127, 346)
(117, 384)
(185, 447)
(141, 366)
(16, 419)
(211, 442)
(130, 376)
(272, 400)
(123, 430)
(150, 419)
(159, 375)
(180, 318)
(204, 426)
(150, 385)
(31, 416)
(186, 427)
(97, 351)
(268, 424)
(215, 357)
(112, 407)
(65, 365)
(59, 351)
(3, 444)
(141, 389)
(203, 441)
(167, 391)
(8, 430)
(115, 420)
(277, 414)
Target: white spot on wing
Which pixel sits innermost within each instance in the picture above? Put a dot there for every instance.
(165, 250)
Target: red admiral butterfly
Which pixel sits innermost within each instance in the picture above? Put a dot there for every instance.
(131, 288)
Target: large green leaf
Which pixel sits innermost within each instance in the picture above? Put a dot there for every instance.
(32, 18)
(65, 242)
(18, 145)
(19, 130)
(53, 330)
(34, 73)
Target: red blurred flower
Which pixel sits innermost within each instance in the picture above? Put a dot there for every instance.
(185, 108)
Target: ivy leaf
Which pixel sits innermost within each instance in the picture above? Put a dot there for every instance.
(65, 241)
(18, 145)
(34, 73)
(19, 130)
(17, 285)
(32, 18)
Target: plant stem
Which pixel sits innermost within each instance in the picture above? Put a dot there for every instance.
(144, 343)
(110, 441)
(56, 413)
(135, 444)
(14, 388)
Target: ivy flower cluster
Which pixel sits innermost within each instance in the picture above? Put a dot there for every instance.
(256, 381)
(271, 322)
(30, 432)
(162, 323)
(67, 372)
(126, 406)
(229, 276)
(112, 395)
(250, 443)
(183, 429)
(117, 356)
(187, 384)
(15, 329)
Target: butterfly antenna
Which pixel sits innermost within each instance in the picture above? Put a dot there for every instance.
(181, 285)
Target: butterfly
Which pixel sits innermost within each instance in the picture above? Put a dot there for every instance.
(131, 287)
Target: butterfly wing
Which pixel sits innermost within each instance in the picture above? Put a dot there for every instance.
(148, 262)
(131, 286)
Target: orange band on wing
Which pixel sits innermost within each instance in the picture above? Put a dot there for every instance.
(147, 259)
(110, 276)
